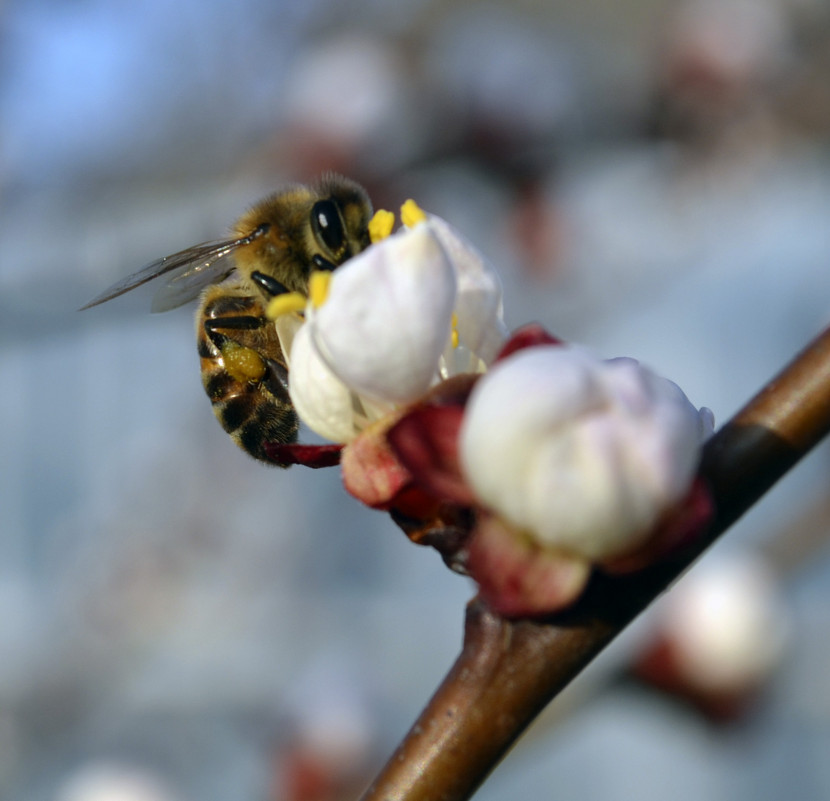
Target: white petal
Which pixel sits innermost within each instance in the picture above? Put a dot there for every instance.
(287, 326)
(323, 401)
(387, 316)
(663, 429)
(479, 308)
(520, 401)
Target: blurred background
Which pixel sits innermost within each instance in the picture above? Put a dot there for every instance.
(178, 622)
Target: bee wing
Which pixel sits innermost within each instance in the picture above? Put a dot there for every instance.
(191, 271)
(197, 266)
(194, 274)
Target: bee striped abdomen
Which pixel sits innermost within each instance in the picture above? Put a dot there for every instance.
(246, 386)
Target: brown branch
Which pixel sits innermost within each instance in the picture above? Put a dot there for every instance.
(508, 671)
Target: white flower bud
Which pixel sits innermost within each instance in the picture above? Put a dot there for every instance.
(726, 624)
(582, 455)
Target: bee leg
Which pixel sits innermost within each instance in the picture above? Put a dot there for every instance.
(322, 263)
(220, 330)
(213, 325)
(268, 283)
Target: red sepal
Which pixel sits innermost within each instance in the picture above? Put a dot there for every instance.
(426, 444)
(519, 578)
(528, 336)
(371, 471)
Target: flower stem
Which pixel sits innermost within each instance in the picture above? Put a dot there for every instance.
(508, 671)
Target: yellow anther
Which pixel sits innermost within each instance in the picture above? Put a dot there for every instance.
(381, 225)
(318, 287)
(285, 304)
(454, 335)
(412, 213)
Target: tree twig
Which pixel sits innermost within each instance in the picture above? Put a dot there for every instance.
(508, 671)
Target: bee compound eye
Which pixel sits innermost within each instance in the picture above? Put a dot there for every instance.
(327, 225)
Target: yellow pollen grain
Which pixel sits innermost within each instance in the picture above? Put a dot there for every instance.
(243, 364)
(412, 213)
(285, 304)
(454, 335)
(318, 287)
(381, 224)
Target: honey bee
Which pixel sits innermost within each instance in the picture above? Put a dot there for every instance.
(272, 250)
